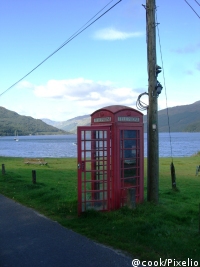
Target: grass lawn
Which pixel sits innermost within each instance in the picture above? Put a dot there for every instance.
(149, 232)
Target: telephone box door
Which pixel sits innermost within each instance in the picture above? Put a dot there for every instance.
(131, 163)
(94, 181)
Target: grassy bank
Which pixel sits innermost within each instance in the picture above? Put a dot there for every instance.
(149, 232)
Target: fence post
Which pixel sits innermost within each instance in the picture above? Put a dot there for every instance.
(3, 169)
(34, 176)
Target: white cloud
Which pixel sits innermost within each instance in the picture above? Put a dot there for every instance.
(61, 100)
(65, 99)
(25, 85)
(85, 91)
(74, 89)
(114, 34)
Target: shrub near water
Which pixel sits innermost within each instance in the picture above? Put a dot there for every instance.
(149, 232)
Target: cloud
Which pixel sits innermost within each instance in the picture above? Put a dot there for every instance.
(111, 34)
(73, 89)
(198, 66)
(65, 99)
(188, 49)
(25, 85)
(83, 90)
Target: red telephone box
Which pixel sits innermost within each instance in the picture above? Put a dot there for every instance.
(110, 159)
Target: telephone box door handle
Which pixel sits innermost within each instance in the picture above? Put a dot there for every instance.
(81, 165)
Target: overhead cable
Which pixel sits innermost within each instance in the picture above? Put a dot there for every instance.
(165, 87)
(197, 2)
(83, 28)
(73, 35)
(193, 8)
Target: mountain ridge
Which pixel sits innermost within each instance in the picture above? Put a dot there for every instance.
(181, 118)
(11, 121)
(185, 118)
(71, 124)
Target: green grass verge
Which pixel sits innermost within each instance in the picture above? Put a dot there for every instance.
(149, 232)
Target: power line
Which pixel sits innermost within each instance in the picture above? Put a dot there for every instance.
(86, 23)
(193, 8)
(197, 2)
(163, 72)
(83, 28)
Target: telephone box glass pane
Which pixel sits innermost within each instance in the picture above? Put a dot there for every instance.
(129, 161)
(94, 168)
(130, 134)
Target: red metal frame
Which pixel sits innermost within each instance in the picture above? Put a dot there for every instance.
(93, 168)
(131, 162)
(110, 159)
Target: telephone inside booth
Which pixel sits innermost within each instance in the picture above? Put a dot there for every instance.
(110, 159)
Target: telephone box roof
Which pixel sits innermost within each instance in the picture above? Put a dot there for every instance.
(116, 108)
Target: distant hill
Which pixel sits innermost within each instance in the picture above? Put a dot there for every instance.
(71, 124)
(184, 118)
(10, 122)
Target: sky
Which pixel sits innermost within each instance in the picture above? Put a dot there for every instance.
(104, 65)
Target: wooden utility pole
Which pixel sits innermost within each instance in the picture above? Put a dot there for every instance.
(152, 131)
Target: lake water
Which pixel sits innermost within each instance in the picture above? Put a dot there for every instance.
(183, 145)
